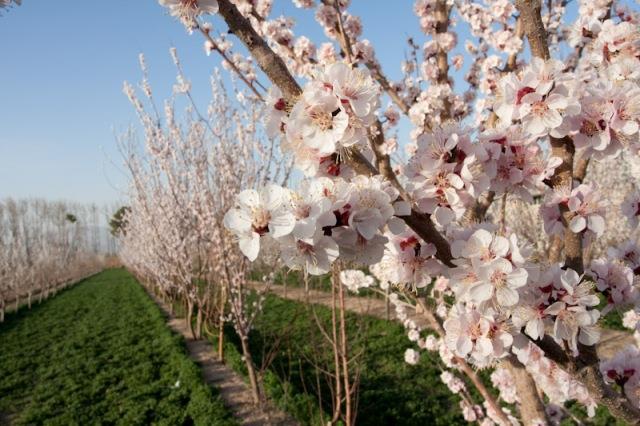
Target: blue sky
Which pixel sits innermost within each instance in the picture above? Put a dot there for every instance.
(64, 63)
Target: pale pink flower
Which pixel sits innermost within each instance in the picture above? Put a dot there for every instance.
(588, 208)
(615, 41)
(319, 119)
(356, 248)
(594, 133)
(574, 324)
(469, 333)
(188, 10)
(354, 87)
(411, 356)
(624, 370)
(312, 254)
(485, 247)
(573, 321)
(311, 208)
(355, 279)
(258, 214)
(500, 280)
(544, 114)
(631, 208)
(615, 281)
(408, 261)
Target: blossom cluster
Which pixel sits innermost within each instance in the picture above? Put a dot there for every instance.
(311, 228)
(334, 113)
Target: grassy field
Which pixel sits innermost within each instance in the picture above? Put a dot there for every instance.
(391, 391)
(100, 353)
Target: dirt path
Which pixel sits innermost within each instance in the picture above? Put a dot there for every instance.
(234, 391)
(611, 341)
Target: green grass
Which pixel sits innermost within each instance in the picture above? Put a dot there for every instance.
(391, 391)
(100, 353)
(295, 279)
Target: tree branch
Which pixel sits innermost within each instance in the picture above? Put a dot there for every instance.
(376, 72)
(270, 63)
(531, 405)
(585, 366)
(442, 57)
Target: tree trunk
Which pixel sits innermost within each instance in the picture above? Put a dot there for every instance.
(17, 305)
(29, 300)
(253, 378)
(344, 354)
(531, 406)
(223, 302)
(190, 317)
(221, 341)
(199, 323)
(337, 410)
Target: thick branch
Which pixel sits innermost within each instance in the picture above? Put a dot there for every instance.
(376, 72)
(270, 63)
(442, 58)
(531, 405)
(580, 169)
(584, 367)
(477, 212)
(555, 248)
(562, 180)
(533, 27)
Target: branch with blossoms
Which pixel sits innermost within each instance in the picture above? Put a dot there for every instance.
(182, 183)
(535, 126)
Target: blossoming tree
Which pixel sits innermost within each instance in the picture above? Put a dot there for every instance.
(529, 129)
(182, 182)
(44, 246)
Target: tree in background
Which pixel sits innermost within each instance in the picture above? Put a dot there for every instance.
(43, 248)
(118, 223)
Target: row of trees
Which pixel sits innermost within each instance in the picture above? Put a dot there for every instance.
(511, 226)
(183, 180)
(45, 245)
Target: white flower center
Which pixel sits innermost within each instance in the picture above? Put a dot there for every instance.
(261, 218)
(539, 108)
(323, 120)
(499, 279)
(303, 211)
(475, 331)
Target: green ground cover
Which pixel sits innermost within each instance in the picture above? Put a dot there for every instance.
(391, 391)
(100, 353)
